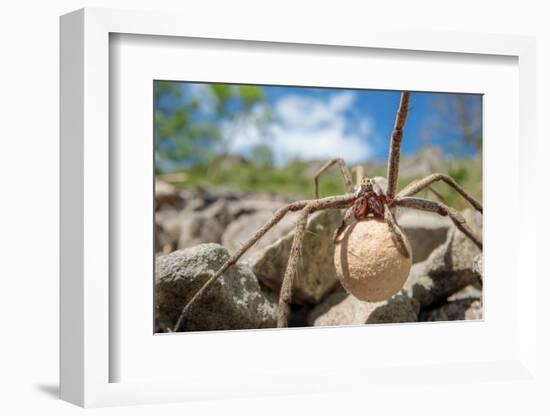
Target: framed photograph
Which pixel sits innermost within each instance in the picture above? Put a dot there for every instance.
(280, 213)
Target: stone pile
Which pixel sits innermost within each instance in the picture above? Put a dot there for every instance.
(196, 231)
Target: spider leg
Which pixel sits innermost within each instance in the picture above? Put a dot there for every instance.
(359, 174)
(430, 188)
(441, 209)
(424, 183)
(291, 271)
(438, 195)
(397, 234)
(285, 294)
(343, 169)
(330, 202)
(345, 221)
(395, 145)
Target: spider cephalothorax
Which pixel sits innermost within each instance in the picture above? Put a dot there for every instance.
(371, 199)
(372, 203)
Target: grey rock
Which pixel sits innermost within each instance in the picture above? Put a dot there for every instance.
(468, 292)
(448, 269)
(316, 273)
(235, 301)
(244, 227)
(201, 198)
(211, 195)
(168, 227)
(164, 188)
(206, 226)
(478, 266)
(339, 308)
(425, 230)
(252, 205)
(195, 204)
(167, 195)
(462, 309)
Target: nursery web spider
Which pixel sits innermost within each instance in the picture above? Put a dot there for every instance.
(375, 197)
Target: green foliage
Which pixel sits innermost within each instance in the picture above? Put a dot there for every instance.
(467, 173)
(295, 179)
(188, 129)
(459, 174)
(250, 94)
(291, 180)
(262, 156)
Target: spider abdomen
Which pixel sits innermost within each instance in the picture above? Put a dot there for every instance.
(368, 263)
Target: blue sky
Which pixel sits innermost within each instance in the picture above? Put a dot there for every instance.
(319, 123)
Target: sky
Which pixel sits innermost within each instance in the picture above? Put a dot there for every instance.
(321, 123)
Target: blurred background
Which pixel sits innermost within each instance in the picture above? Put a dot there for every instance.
(272, 139)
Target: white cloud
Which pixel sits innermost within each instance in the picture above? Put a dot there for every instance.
(342, 101)
(309, 128)
(203, 95)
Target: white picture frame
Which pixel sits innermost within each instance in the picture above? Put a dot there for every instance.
(87, 356)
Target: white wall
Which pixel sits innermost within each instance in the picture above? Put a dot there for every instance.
(29, 184)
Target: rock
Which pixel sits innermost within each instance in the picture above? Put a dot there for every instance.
(166, 195)
(298, 317)
(448, 269)
(235, 301)
(195, 203)
(168, 227)
(474, 220)
(244, 227)
(211, 195)
(478, 266)
(462, 309)
(339, 308)
(252, 205)
(426, 231)
(207, 226)
(469, 292)
(316, 274)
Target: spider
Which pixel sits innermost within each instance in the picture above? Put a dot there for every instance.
(372, 197)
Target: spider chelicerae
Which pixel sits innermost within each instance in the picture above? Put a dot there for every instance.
(371, 198)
